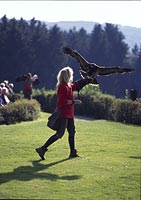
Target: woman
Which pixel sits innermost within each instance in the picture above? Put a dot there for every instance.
(65, 99)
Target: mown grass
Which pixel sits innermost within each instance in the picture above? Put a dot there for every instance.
(109, 170)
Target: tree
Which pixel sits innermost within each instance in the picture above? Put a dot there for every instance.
(98, 46)
(136, 62)
(79, 41)
(29, 46)
(55, 56)
(109, 49)
(118, 49)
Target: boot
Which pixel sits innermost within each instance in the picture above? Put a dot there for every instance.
(73, 154)
(41, 151)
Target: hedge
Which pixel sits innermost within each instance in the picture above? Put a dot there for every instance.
(20, 110)
(46, 98)
(128, 111)
(96, 105)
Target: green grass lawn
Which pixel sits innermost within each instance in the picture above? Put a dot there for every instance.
(110, 168)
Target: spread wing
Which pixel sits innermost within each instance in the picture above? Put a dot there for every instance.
(91, 69)
(112, 70)
(84, 64)
(86, 69)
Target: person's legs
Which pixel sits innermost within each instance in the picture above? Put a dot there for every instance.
(50, 141)
(71, 131)
(27, 94)
(60, 132)
(71, 138)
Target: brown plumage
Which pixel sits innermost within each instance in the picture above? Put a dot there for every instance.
(91, 70)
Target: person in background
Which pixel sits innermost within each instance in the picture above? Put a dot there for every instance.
(10, 87)
(29, 80)
(4, 96)
(2, 85)
(27, 88)
(1, 100)
(6, 82)
(65, 99)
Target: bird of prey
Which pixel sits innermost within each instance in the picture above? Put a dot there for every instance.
(91, 70)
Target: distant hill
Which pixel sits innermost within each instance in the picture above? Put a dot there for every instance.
(132, 34)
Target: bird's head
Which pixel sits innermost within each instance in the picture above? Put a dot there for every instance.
(67, 50)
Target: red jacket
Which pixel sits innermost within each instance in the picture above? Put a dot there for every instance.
(65, 93)
(27, 85)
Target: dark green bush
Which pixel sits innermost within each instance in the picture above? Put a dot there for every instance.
(96, 105)
(47, 99)
(1, 117)
(103, 106)
(15, 97)
(20, 110)
(128, 111)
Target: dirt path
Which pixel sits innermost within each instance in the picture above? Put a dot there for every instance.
(84, 118)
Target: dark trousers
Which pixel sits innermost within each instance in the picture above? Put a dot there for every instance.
(65, 123)
(27, 94)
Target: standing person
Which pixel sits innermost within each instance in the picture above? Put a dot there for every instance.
(1, 99)
(29, 80)
(65, 99)
(4, 96)
(27, 88)
(10, 88)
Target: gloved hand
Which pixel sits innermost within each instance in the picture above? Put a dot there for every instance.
(81, 83)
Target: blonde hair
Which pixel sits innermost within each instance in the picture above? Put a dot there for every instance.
(65, 75)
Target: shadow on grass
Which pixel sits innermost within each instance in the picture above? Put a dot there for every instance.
(135, 157)
(27, 173)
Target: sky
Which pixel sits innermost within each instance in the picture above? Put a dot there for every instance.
(126, 13)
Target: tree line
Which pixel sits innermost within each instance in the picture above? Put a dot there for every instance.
(30, 46)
